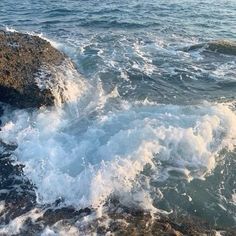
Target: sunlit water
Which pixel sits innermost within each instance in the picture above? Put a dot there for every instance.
(146, 122)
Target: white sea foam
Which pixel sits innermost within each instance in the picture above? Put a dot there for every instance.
(66, 83)
(234, 198)
(58, 230)
(219, 233)
(146, 64)
(85, 160)
(16, 225)
(2, 206)
(225, 71)
(10, 29)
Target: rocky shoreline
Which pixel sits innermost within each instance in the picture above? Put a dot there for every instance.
(22, 57)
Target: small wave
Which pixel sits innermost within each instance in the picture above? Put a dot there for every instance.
(58, 12)
(116, 24)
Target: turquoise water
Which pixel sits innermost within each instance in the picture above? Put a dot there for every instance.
(179, 107)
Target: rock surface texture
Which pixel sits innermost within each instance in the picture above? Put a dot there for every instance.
(22, 58)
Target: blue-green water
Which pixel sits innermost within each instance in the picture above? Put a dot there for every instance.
(166, 115)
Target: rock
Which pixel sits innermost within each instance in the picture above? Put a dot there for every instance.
(22, 58)
(17, 192)
(51, 216)
(221, 46)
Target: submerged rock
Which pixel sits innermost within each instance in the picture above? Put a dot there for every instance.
(22, 58)
(221, 46)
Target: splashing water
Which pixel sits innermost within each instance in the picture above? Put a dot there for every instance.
(144, 122)
(70, 152)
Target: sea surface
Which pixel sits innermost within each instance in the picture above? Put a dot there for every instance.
(146, 121)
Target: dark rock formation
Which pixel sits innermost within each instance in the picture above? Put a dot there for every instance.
(22, 57)
(16, 191)
(221, 46)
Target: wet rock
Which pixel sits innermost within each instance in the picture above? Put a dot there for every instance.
(127, 222)
(22, 58)
(221, 46)
(124, 221)
(16, 191)
(51, 216)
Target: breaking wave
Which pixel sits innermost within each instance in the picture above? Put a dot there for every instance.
(97, 145)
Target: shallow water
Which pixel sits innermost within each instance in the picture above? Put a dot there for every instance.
(146, 122)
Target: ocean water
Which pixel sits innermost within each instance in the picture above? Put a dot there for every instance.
(146, 122)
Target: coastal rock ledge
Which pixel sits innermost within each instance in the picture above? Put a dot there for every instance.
(23, 58)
